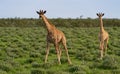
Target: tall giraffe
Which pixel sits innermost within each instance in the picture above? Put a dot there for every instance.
(54, 36)
(103, 36)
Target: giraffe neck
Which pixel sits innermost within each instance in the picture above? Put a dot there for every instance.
(48, 25)
(101, 25)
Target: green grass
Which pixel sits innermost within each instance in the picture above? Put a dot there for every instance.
(22, 51)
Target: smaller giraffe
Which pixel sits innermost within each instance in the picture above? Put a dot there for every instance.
(103, 37)
(54, 36)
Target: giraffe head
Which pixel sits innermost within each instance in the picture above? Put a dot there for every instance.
(100, 14)
(40, 13)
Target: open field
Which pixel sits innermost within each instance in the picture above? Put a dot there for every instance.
(22, 51)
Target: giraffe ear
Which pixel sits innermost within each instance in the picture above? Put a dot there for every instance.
(97, 14)
(44, 12)
(103, 14)
(37, 12)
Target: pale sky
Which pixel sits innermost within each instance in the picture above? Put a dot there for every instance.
(59, 8)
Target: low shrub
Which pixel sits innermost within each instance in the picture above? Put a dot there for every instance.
(110, 62)
(34, 55)
(29, 60)
(36, 65)
(79, 68)
(38, 71)
(64, 60)
(116, 71)
(3, 72)
(5, 67)
(84, 55)
(47, 65)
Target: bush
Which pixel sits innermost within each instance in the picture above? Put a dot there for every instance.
(79, 69)
(50, 72)
(116, 71)
(34, 55)
(47, 65)
(64, 60)
(84, 55)
(5, 67)
(29, 60)
(80, 72)
(96, 71)
(36, 65)
(96, 64)
(110, 62)
(117, 52)
(38, 71)
(3, 72)
(56, 72)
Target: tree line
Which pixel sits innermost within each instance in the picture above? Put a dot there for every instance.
(60, 22)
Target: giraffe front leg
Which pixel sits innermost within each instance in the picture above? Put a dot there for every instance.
(106, 43)
(101, 49)
(101, 54)
(60, 50)
(47, 52)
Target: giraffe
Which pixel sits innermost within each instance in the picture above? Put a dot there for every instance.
(103, 37)
(55, 37)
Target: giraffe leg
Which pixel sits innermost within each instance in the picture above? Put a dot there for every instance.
(58, 54)
(101, 49)
(60, 50)
(105, 49)
(47, 52)
(65, 47)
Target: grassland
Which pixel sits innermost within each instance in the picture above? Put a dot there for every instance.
(22, 51)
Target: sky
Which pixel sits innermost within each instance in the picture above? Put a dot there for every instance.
(59, 8)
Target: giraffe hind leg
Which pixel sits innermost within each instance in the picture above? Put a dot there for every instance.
(65, 47)
(58, 53)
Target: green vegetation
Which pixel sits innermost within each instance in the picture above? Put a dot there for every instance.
(59, 22)
(22, 48)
